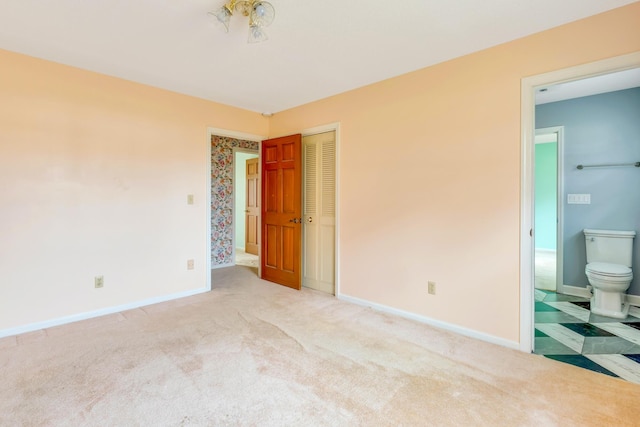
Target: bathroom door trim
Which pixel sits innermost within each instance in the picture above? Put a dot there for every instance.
(528, 87)
(559, 131)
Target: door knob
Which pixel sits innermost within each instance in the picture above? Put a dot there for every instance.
(310, 220)
(295, 220)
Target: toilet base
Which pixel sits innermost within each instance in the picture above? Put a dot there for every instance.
(609, 304)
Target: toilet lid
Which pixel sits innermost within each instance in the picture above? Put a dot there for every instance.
(607, 269)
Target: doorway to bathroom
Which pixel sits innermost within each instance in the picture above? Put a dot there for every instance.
(589, 128)
(552, 84)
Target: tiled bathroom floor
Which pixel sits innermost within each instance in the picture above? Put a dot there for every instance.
(567, 331)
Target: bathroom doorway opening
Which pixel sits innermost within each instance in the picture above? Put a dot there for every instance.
(530, 87)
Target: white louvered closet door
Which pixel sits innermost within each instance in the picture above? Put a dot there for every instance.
(319, 210)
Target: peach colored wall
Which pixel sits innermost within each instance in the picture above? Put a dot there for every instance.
(94, 177)
(430, 174)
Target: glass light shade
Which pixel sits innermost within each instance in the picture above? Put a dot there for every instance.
(223, 15)
(257, 34)
(260, 11)
(262, 14)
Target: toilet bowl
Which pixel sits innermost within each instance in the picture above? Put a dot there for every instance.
(608, 269)
(609, 283)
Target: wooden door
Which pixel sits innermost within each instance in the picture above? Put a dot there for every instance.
(252, 208)
(281, 210)
(319, 210)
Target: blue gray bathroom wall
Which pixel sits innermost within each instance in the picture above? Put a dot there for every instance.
(598, 129)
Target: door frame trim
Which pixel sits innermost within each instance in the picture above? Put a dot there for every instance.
(527, 120)
(335, 126)
(230, 134)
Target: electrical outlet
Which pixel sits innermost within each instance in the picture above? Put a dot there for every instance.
(189, 199)
(98, 281)
(190, 264)
(432, 288)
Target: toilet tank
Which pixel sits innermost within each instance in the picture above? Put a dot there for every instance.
(612, 246)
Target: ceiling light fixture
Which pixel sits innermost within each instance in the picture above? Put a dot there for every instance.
(260, 13)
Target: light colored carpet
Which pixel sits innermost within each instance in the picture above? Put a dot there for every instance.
(252, 353)
(248, 260)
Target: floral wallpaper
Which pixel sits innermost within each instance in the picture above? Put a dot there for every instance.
(222, 196)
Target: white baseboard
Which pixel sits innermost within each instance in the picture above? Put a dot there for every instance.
(432, 322)
(576, 291)
(230, 264)
(96, 313)
(546, 251)
(579, 291)
(634, 300)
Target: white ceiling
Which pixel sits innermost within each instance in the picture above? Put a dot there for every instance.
(315, 48)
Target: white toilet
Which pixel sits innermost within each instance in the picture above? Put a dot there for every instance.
(609, 259)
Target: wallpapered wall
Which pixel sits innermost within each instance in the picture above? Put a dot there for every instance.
(222, 196)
